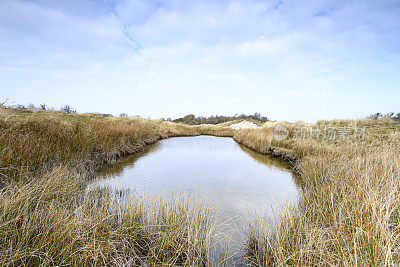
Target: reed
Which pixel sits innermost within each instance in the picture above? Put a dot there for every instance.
(47, 216)
(49, 221)
(348, 214)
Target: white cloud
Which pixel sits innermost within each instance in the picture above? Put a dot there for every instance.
(168, 58)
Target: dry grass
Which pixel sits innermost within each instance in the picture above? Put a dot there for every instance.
(348, 214)
(215, 130)
(349, 211)
(48, 218)
(49, 221)
(32, 142)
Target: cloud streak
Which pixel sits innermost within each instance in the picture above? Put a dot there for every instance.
(287, 59)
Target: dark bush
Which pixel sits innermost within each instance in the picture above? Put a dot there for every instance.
(67, 109)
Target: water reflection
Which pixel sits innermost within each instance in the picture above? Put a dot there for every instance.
(116, 169)
(238, 182)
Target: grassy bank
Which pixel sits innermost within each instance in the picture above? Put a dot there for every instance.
(47, 217)
(349, 211)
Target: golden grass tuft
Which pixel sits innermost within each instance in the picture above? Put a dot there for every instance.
(49, 221)
(349, 211)
(48, 218)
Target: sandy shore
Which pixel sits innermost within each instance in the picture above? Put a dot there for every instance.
(244, 125)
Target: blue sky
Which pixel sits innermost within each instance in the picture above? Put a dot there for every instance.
(289, 60)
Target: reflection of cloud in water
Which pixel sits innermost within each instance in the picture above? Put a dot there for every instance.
(237, 182)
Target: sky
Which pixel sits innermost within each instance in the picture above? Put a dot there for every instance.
(286, 59)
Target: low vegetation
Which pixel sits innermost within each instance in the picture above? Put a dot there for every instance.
(47, 217)
(349, 211)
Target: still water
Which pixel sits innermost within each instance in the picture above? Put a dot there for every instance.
(237, 182)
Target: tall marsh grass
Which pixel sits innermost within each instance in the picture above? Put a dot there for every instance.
(349, 211)
(47, 217)
(49, 221)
